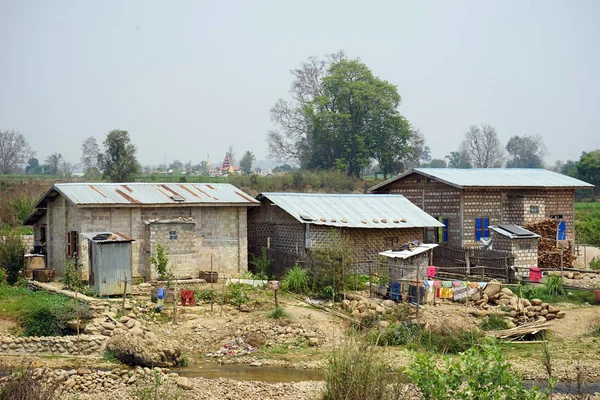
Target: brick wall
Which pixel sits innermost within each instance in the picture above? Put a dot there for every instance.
(499, 205)
(435, 198)
(270, 221)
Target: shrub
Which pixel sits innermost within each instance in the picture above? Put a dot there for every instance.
(554, 286)
(494, 323)
(278, 313)
(406, 333)
(595, 264)
(354, 371)
(238, 294)
(160, 261)
(22, 385)
(206, 295)
(72, 278)
(12, 257)
(295, 280)
(22, 207)
(154, 386)
(262, 265)
(481, 373)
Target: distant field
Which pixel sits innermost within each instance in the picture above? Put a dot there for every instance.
(587, 223)
(586, 208)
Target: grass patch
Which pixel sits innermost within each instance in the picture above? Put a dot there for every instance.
(493, 323)
(40, 313)
(577, 297)
(417, 338)
(278, 313)
(295, 280)
(596, 332)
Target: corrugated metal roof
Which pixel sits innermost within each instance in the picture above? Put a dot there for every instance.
(404, 254)
(112, 237)
(152, 194)
(352, 210)
(495, 177)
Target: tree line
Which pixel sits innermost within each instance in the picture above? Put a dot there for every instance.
(340, 116)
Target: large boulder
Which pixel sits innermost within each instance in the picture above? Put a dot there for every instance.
(146, 352)
(492, 288)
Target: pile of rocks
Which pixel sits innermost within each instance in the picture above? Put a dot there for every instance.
(86, 380)
(60, 345)
(579, 279)
(516, 310)
(145, 350)
(234, 347)
(360, 306)
(107, 325)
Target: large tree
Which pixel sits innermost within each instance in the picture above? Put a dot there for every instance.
(89, 153)
(118, 162)
(341, 116)
(53, 164)
(246, 161)
(526, 152)
(483, 147)
(14, 151)
(459, 159)
(588, 168)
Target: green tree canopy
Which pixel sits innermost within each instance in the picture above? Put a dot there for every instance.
(118, 162)
(246, 161)
(342, 117)
(459, 159)
(526, 152)
(588, 168)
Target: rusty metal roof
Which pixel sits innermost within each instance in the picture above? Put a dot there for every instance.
(494, 177)
(352, 210)
(176, 194)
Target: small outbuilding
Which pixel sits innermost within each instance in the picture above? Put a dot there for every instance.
(109, 261)
(519, 242)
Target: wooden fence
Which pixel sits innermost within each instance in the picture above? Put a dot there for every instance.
(464, 262)
(281, 261)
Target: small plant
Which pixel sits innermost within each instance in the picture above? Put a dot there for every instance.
(494, 323)
(238, 294)
(329, 292)
(12, 257)
(109, 356)
(278, 313)
(355, 371)
(154, 386)
(554, 286)
(160, 260)
(23, 385)
(208, 295)
(595, 264)
(262, 265)
(72, 278)
(481, 373)
(295, 280)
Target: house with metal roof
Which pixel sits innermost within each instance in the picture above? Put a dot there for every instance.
(295, 222)
(469, 201)
(196, 223)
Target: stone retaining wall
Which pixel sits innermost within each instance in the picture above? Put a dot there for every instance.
(64, 345)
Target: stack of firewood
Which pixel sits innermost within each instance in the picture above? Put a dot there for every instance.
(549, 249)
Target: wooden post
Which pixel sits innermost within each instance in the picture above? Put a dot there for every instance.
(268, 242)
(468, 261)
(370, 281)
(418, 292)
(175, 303)
(211, 284)
(507, 269)
(123, 311)
(223, 297)
(561, 264)
(276, 302)
(77, 317)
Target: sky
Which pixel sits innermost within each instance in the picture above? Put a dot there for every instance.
(190, 78)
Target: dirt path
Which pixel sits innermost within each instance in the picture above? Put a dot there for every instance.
(578, 321)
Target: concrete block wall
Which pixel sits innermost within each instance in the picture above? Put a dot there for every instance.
(525, 251)
(27, 242)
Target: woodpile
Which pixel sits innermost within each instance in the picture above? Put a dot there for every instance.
(516, 310)
(551, 251)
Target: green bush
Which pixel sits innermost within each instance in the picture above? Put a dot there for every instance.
(481, 373)
(206, 295)
(238, 294)
(554, 286)
(262, 265)
(22, 207)
(414, 336)
(295, 280)
(494, 323)
(355, 371)
(12, 257)
(278, 313)
(160, 260)
(154, 386)
(41, 313)
(595, 264)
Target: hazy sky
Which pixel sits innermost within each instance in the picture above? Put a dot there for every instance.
(191, 78)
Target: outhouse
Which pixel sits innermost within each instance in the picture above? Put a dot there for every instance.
(109, 262)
